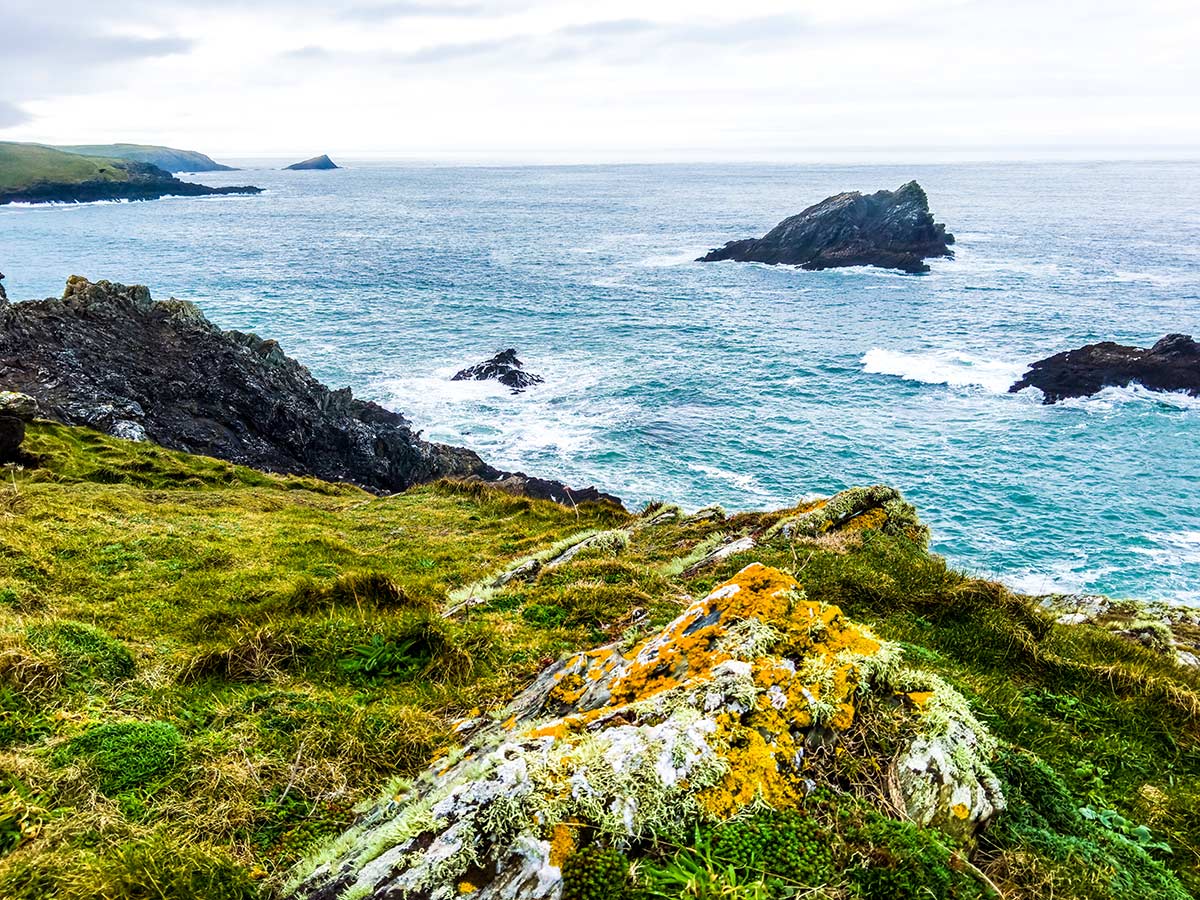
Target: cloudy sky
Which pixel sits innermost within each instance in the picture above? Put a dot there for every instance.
(623, 79)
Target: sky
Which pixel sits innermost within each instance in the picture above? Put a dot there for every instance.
(611, 80)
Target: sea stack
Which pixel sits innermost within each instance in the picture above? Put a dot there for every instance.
(888, 229)
(317, 162)
(1172, 364)
(505, 368)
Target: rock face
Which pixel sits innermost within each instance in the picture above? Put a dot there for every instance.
(3, 296)
(888, 229)
(735, 703)
(1172, 364)
(109, 357)
(505, 368)
(317, 162)
(15, 410)
(144, 182)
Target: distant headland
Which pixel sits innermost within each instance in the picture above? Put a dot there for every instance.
(31, 173)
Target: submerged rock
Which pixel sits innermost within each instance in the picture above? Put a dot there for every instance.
(317, 162)
(504, 367)
(888, 229)
(731, 705)
(109, 357)
(1172, 364)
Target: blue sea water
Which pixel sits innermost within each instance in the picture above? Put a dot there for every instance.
(747, 385)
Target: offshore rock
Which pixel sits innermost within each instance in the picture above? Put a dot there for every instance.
(1172, 364)
(504, 367)
(317, 162)
(109, 357)
(888, 229)
(728, 707)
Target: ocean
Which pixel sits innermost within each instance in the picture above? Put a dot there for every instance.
(746, 385)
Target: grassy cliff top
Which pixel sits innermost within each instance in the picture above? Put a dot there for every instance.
(22, 165)
(168, 159)
(204, 668)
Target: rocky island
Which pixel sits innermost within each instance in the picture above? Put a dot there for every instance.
(1172, 364)
(888, 229)
(505, 368)
(317, 162)
(109, 357)
(34, 174)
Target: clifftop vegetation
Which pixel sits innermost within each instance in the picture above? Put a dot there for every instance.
(205, 669)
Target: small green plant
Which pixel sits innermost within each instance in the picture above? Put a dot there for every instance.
(1117, 823)
(595, 873)
(545, 615)
(83, 650)
(388, 658)
(125, 755)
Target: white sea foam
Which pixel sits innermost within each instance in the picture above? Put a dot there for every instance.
(551, 421)
(1173, 548)
(950, 367)
(743, 480)
(1112, 397)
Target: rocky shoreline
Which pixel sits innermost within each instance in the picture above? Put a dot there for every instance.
(109, 357)
(145, 182)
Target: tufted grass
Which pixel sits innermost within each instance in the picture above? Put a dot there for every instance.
(294, 635)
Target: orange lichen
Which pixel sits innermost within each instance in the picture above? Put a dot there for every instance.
(871, 519)
(562, 843)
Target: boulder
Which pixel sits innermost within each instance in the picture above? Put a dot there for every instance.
(110, 357)
(317, 162)
(505, 368)
(739, 702)
(15, 410)
(1172, 364)
(3, 296)
(888, 229)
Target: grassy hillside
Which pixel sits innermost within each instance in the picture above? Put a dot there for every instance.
(204, 668)
(166, 158)
(22, 165)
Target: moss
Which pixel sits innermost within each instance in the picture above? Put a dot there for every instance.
(83, 650)
(899, 861)
(595, 873)
(125, 755)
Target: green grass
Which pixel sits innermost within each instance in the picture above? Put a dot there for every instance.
(23, 165)
(204, 668)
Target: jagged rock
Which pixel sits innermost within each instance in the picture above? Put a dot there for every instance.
(1172, 364)
(727, 707)
(109, 357)
(317, 162)
(3, 296)
(888, 229)
(15, 410)
(504, 367)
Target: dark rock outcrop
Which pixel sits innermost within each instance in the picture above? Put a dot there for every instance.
(109, 357)
(1172, 364)
(15, 411)
(505, 368)
(317, 162)
(144, 182)
(3, 296)
(888, 229)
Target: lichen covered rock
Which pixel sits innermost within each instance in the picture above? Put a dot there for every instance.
(738, 702)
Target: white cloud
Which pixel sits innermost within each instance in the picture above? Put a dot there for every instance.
(628, 79)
